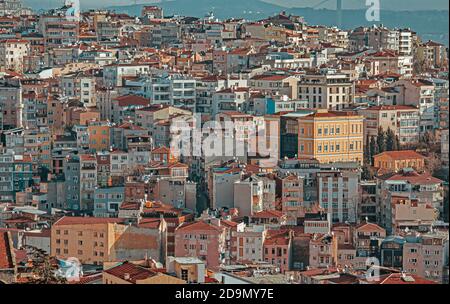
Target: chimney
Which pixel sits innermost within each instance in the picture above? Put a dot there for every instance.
(126, 276)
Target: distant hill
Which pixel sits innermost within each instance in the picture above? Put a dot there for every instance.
(249, 9)
(429, 24)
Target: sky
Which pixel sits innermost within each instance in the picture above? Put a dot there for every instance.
(347, 4)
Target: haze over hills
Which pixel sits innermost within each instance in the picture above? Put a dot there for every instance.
(394, 5)
(430, 24)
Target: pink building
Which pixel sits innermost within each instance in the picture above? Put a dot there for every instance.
(323, 251)
(201, 240)
(277, 248)
(426, 255)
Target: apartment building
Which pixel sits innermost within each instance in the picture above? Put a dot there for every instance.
(404, 121)
(81, 87)
(12, 54)
(99, 135)
(432, 54)
(331, 136)
(445, 147)
(97, 240)
(87, 181)
(426, 255)
(275, 85)
(250, 240)
(113, 74)
(326, 90)
(410, 186)
(277, 248)
(15, 175)
(11, 106)
(323, 251)
(107, 201)
(421, 94)
(338, 195)
(248, 196)
(410, 214)
(58, 30)
(202, 240)
(292, 198)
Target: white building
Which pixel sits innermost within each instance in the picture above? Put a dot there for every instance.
(327, 90)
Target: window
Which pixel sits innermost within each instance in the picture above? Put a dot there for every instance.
(184, 274)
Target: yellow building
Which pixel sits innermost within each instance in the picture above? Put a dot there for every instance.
(97, 240)
(331, 136)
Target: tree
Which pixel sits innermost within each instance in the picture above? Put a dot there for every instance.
(381, 140)
(433, 163)
(396, 143)
(367, 172)
(44, 271)
(367, 151)
(373, 148)
(390, 140)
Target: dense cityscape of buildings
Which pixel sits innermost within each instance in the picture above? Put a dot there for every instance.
(356, 122)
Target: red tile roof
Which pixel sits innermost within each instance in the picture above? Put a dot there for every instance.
(277, 237)
(135, 272)
(79, 220)
(398, 278)
(88, 279)
(6, 256)
(270, 77)
(401, 155)
(130, 206)
(198, 227)
(386, 108)
(161, 150)
(268, 214)
(132, 100)
(321, 114)
(415, 178)
(368, 227)
(150, 223)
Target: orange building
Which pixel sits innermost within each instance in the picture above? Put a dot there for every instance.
(99, 135)
(397, 160)
(331, 136)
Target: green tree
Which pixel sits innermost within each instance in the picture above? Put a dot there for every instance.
(396, 143)
(381, 140)
(367, 151)
(367, 173)
(373, 148)
(390, 140)
(44, 271)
